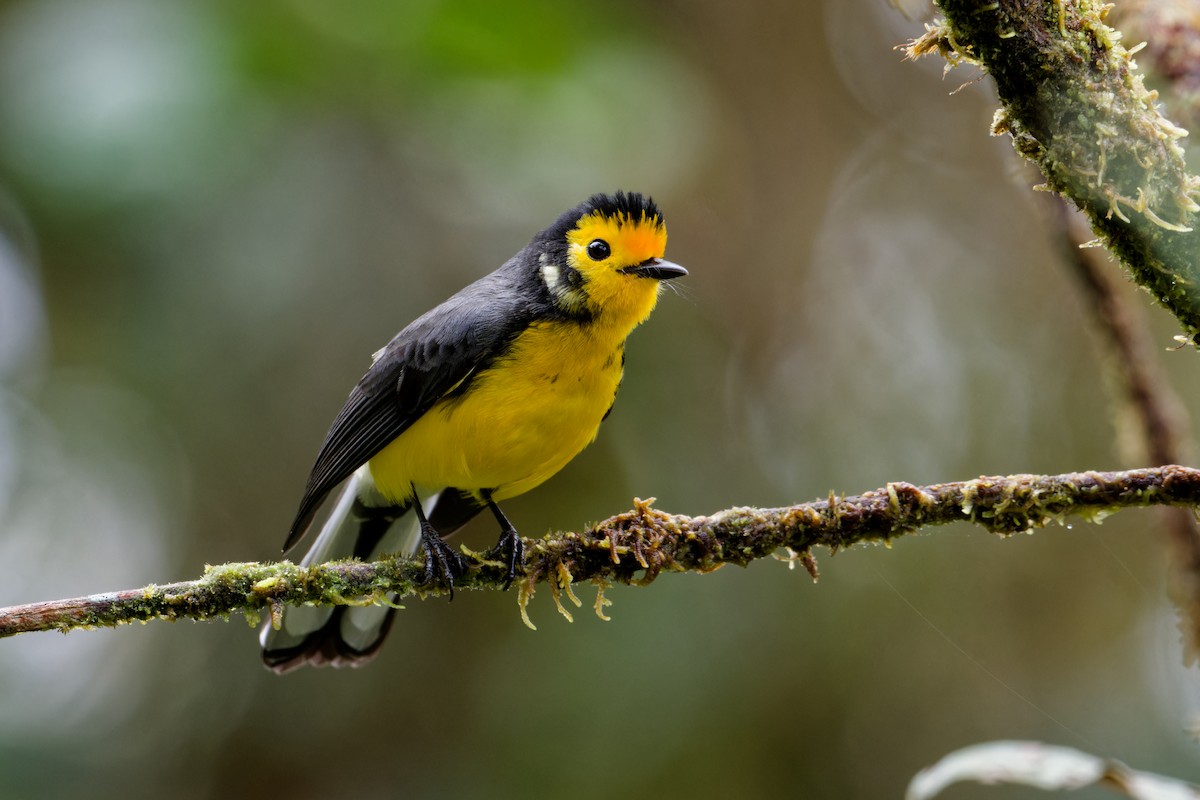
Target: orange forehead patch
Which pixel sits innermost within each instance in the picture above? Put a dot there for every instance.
(632, 240)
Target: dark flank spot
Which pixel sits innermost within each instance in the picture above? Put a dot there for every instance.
(610, 406)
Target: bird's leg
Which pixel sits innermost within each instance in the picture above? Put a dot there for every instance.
(510, 545)
(442, 564)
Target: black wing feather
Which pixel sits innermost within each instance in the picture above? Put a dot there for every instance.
(438, 353)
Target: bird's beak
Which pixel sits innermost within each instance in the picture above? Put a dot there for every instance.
(657, 268)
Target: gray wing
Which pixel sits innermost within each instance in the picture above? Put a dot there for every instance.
(439, 353)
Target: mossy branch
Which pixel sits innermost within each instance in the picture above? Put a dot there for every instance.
(637, 546)
(1171, 31)
(1074, 105)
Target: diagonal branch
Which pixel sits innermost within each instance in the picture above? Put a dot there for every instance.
(637, 546)
(1074, 105)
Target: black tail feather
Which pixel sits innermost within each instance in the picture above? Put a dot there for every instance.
(325, 647)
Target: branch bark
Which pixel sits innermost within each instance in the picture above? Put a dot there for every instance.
(636, 547)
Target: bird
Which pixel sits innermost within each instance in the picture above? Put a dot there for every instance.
(479, 400)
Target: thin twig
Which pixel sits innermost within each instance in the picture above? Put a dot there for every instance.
(638, 546)
(1161, 414)
(1163, 417)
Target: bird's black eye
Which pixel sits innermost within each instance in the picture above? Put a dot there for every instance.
(598, 250)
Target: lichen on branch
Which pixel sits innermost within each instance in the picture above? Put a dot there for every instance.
(635, 548)
(1074, 104)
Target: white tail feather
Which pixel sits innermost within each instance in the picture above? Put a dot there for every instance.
(360, 628)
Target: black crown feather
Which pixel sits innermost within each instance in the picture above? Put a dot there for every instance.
(623, 204)
(630, 205)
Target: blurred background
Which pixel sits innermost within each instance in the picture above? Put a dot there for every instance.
(211, 213)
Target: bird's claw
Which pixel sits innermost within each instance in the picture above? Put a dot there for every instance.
(442, 564)
(511, 549)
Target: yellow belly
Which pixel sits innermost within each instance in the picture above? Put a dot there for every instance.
(520, 421)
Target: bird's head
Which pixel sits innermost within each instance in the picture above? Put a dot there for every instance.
(604, 258)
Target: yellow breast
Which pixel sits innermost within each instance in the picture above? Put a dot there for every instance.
(520, 421)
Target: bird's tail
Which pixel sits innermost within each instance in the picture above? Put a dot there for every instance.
(363, 525)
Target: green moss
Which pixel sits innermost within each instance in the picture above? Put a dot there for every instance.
(1074, 105)
(636, 547)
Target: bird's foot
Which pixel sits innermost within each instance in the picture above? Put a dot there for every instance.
(442, 564)
(511, 550)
